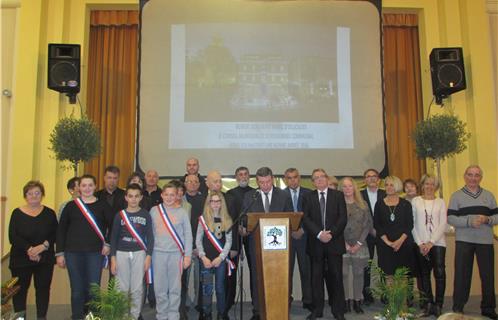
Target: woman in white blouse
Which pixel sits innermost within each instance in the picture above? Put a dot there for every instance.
(429, 225)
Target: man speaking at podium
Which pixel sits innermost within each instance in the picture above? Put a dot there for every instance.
(266, 198)
(324, 219)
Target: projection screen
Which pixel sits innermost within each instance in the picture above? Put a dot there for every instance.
(260, 83)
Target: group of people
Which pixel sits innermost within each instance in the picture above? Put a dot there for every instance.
(153, 238)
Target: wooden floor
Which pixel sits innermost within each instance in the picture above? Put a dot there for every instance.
(63, 312)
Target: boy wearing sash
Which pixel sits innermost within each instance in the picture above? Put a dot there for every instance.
(214, 240)
(132, 241)
(172, 252)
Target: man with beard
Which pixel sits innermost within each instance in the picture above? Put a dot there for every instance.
(236, 196)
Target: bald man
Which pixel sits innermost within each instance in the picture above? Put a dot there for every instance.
(192, 167)
(152, 190)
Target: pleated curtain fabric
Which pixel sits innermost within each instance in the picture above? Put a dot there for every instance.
(112, 88)
(403, 93)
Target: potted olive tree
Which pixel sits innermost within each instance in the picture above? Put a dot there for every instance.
(75, 140)
(440, 137)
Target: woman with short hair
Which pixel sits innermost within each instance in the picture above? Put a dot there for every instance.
(393, 223)
(32, 231)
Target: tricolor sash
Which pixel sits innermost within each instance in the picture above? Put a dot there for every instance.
(171, 229)
(93, 223)
(138, 238)
(216, 243)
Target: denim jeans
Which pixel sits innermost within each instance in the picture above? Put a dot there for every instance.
(84, 268)
(206, 287)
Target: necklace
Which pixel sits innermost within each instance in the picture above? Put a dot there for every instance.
(392, 216)
(428, 217)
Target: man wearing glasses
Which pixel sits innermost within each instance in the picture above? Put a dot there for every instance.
(324, 220)
(371, 194)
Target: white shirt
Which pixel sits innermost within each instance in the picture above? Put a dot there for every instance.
(263, 196)
(372, 198)
(425, 211)
(325, 196)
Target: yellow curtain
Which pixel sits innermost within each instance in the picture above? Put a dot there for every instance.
(112, 88)
(403, 93)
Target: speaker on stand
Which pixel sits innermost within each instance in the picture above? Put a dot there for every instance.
(447, 72)
(64, 69)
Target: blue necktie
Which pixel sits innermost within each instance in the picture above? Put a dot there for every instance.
(294, 199)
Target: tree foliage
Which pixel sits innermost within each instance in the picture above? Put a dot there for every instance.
(110, 303)
(440, 137)
(75, 140)
(396, 290)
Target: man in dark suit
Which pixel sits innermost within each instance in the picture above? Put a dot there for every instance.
(266, 198)
(292, 180)
(324, 220)
(371, 194)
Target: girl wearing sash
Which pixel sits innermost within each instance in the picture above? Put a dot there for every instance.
(132, 242)
(214, 240)
(172, 252)
(82, 244)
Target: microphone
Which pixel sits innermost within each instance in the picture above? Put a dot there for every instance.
(255, 195)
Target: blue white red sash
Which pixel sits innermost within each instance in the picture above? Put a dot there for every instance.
(216, 244)
(93, 223)
(171, 229)
(138, 238)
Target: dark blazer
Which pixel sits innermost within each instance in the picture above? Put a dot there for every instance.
(336, 219)
(280, 201)
(302, 192)
(381, 194)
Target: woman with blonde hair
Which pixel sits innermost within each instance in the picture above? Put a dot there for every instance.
(429, 219)
(213, 241)
(355, 234)
(393, 223)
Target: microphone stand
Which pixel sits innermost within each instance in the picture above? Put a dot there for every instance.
(239, 223)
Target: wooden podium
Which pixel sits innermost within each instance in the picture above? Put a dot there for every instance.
(272, 235)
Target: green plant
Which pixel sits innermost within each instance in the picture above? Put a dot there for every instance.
(395, 290)
(439, 137)
(75, 140)
(110, 303)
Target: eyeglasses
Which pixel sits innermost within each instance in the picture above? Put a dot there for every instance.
(191, 182)
(215, 201)
(473, 175)
(370, 177)
(34, 193)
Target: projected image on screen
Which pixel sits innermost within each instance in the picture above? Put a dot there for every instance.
(292, 95)
(269, 72)
(246, 82)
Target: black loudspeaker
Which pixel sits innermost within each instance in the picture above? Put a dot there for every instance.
(447, 72)
(64, 68)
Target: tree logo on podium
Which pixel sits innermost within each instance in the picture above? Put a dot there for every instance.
(275, 237)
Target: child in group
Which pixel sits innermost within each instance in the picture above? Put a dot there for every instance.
(172, 252)
(132, 242)
(214, 240)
